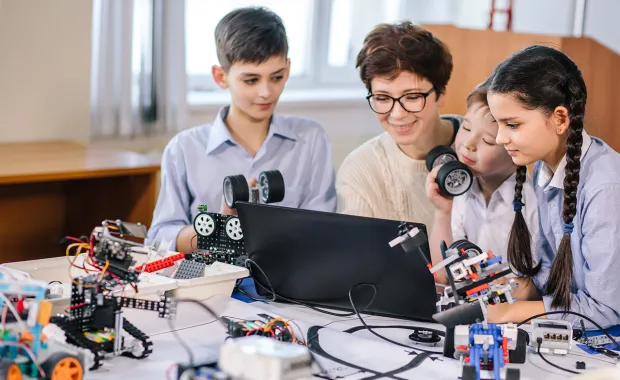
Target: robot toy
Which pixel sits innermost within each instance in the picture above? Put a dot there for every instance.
(24, 349)
(483, 348)
(95, 320)
(220, 234)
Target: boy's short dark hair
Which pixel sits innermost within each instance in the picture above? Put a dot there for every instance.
(250, 34)
(390, 49)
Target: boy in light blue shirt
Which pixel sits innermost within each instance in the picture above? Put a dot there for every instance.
(246, 137)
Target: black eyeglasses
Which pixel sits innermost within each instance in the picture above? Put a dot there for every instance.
(411, 102)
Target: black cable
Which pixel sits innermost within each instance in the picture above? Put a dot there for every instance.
(276, 296)
(191, 243)
(573, 313)
(368, 327)
(314, 346)
(416, 361)
(539, 341)
(242, 291)
(178, 337)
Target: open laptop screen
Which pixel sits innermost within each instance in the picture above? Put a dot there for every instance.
(317, 257)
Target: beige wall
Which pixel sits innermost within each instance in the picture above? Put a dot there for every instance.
(45, 49)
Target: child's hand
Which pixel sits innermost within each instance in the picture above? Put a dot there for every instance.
(440, 202)
(227, 210)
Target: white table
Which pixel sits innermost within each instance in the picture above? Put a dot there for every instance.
(204, 335)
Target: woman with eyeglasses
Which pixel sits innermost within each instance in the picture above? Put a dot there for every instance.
(406, 70)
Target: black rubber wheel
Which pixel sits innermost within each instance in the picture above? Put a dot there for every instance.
(519, 354)
(7, 367)
(513, 374)
(466, 245)
(454, 178)
(448, 343)
(235, 189)
(469, 372)
(272, 185)
(440, 155)
(240, 261)
(70, 363)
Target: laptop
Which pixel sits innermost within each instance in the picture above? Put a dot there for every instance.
(317, 257)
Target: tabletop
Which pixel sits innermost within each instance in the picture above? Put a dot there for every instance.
(61, 160)
(204, 335)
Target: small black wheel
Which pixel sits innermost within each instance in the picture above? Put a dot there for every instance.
(204, 224)
(425, 336)
(63, 365)
(519, 354)
(271, 183)
(513, 374)
(240, 261)
(440, 155)
(467, 246)
(235, 189)
(454, 178)
(469, 372)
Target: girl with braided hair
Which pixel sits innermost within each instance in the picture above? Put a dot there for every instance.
(538, 98)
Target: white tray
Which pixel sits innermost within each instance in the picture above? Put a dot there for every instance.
(150, 287)
(219, 278)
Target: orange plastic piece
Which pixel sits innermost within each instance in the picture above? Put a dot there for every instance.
(68, 368)
(26, 337)
(14, 372)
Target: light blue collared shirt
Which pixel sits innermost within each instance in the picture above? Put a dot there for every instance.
(196, 161)
(595, 239)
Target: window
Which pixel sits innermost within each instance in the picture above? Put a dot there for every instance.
(324, 37)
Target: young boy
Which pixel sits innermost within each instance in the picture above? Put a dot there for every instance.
(484, 214)
(406, 71)
(245, 138)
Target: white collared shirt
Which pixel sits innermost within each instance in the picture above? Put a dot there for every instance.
(547, 178)
(488, 226)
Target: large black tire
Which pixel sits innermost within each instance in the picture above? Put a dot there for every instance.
(519, 354)
(454, 179)
(235, 188)
(440, 155)
(272, 185)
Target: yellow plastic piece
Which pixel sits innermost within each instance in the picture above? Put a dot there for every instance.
(45, 312)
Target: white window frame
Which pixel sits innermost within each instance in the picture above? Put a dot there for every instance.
(319, 75)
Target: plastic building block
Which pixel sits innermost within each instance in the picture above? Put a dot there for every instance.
(161, 264)
(581, 365)
(189, 269)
